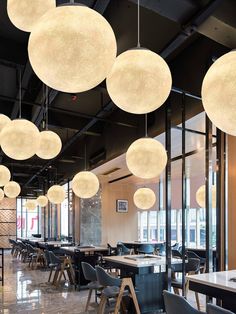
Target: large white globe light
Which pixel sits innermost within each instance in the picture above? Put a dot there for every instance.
(85, 184)
(19, 139)
(219, 93)
(5, 175)
(24, 14)
(56, 194)
(49, 145)
(12, 189)
(140, 81)
(42, 200)
(201, 196)
(31, 204)
(146, 158)
(72, 48)
(144, 198)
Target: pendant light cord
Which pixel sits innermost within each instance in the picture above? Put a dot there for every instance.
(146, 129)
(20, 94)
(138, 44)
(85, 158)
(47, 101)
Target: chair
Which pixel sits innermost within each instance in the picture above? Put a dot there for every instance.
(176, 253)
(91, 275)
(60, 267)
(49, 264)
(115, 288)
(145, 249)
(178, 304)
(122, 249)
(191, 254)
(191, 267)
(214, 309)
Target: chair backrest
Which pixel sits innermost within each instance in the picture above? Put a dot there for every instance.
(213, 309)
(146, 249)
(193, 265)
(177, 304)
(47, 256)
(54, 259)
(192, 254)
(176, 253)
(122, 248)
(89, 272)
(105, 279)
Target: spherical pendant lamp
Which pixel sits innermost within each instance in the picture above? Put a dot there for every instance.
(201, 196)
(49, 145)
(30, 204)
(144, 198)
(140, 81)
(42, 201)
(72, 48)
(5, 175)
(4, 120)
(19, 139)
(24, 14)
(1, 195)
(12, 189)
(146, 158)
(56, 194)
(85, 184)
(219, 93)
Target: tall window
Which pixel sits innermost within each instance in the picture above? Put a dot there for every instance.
(28, 221)
(65, 214)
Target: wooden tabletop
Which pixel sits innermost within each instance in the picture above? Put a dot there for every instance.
(85, 248)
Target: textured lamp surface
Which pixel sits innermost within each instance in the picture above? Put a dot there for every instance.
(42, 200)
(19, 139)
(1, 195)
(72, 48)
(31, 204)
(146, 158)
(85, 184)
(144, 198)
(12, 189)
(4, 120)
(25, 13)
(56, 194)
(200, 196)
(49, 145)
(140, 81)
(5, 175)
(219, 93)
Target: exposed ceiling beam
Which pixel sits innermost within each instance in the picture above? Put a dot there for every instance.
(101, 5)
(102, 112)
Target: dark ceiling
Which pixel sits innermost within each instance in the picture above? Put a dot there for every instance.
(187, 33)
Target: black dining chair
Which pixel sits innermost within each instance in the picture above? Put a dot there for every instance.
(90, 274)
(191, 254)
(214, 309)
(145, 249)
(178, 304)
(122, 249)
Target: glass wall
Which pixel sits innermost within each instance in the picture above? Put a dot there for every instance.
(28, 221)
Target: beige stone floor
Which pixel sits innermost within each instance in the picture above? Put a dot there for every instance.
(27, 291)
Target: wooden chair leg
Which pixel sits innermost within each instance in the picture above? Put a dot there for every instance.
(102, 304)
(55, 277)
(197, 301)
(50, 275)
(59, 278)
(133, 294)
(88, 299)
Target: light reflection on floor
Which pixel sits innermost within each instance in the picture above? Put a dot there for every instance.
(27, 291)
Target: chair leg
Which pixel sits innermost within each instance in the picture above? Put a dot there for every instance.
(59, 278)
(88, 299)
(50, 275)
(119, 298)
(102, 304)
(197, 301)
(129, 283)
(55, 277)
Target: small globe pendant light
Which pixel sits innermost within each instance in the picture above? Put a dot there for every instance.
(56, 194)
(12, 189)
(1, 195)
(144, 198)
(219, 93)
(24, 14)
(201, 196)
(5, 175)
(30, 204)
(85, 184)
(146, 157)
(42, 201)
(140, 80)
(85, 36)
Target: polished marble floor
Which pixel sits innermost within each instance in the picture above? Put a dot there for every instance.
(27, 291)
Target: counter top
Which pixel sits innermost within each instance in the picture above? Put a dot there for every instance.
(219, 280)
